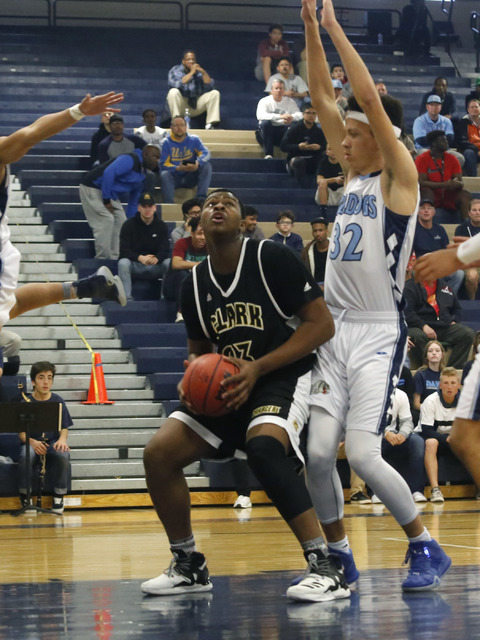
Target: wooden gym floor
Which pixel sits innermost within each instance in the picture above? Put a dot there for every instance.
(78, 577)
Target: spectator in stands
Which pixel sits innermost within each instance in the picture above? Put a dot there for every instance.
(100, 193)
(144, 245)
(436, 417)
(440, 89)
(468, 229)
(118, 143)
(474, 94)
(295, 87)
(315, 253)
(53, 444)
(99, 135)
(184, 162)
(284, 235)
(431, 120)
(10, 343)
(187, 252)
(440, 176)
(434, 313)
(250, 228)
(192, 88)
(274, 114)
(413, 35)
(269, 51)
(467, 135)
(337, 72)
(381, 88)
(400, 442)
(304, 143)
(430, 236)
(427, 377)
(150, 132)
(191, 208)
(330, 181)
(342, 102)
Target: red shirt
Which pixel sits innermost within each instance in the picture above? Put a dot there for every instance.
(438, 169)
(432, 295)
(184, 249)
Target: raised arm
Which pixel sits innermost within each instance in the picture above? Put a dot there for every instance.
(16, 145)
(399, 180)
(320, 84)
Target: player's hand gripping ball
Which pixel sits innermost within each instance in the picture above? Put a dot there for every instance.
(201, 383)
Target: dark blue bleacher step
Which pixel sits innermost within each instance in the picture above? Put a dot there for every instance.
(75, 229)
(87, 266)
(145, 312)
(53, 162)
(248, 165)
(164, 385)
(256, 181)
(61, 147)
(159, 359)
(79, 249)
(49, 177)
(152, 335)
(303, 213)
(470, 310)
(51, 211)
(288, 198)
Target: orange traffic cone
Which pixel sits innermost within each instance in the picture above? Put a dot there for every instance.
(97, 393)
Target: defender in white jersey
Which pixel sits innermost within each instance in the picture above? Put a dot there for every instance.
(13, 301)
(371, 241)
(465, 434)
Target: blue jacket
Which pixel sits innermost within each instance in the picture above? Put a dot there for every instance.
(174, 152)
(294, 241)
(122, 175)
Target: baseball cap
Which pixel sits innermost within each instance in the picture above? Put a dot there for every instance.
(337, 84)
(427, 200)
(115, 118)
(432, 99)
(147, 200)
(319, 220)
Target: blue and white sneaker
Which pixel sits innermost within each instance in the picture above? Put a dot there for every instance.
(428, 563)
(350, 570)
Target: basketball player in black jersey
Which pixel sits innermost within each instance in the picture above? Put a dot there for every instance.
(13, 301)
(243, 300)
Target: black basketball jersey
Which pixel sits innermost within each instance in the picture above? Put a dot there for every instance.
(251, 312)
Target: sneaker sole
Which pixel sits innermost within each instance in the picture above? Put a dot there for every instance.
(444, 567)
(301, 595)
(172, 591)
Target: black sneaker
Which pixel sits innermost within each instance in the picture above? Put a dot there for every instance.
(186, 574)
(323, 580)
(57, 504)
(360, 498)
(23, 500)
(102, 284)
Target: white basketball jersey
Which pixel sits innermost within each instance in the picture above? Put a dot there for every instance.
(369, 250)
(4, 230)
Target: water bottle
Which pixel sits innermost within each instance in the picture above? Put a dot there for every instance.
(380, 39)
(187, 118)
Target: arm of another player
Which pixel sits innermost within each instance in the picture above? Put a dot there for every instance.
(16, 145)
(320, 84)
(399, 178)
(316, 328)
(444, 262)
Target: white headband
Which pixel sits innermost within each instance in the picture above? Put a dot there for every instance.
(361, 117)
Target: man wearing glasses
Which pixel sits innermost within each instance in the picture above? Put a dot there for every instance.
(284, 235)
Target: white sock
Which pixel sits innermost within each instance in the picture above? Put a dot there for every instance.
(340, 545)
(423, 537)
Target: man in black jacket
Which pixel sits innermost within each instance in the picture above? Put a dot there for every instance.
(433, 313)
(305, 144)
(144, 245)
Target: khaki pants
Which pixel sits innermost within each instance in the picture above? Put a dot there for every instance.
(209, 102)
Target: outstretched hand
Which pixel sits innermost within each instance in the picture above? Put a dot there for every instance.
(438, 264)
(328, 15)
(98, 104)
(309, 10)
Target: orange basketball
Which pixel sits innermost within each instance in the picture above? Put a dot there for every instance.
(201, 383)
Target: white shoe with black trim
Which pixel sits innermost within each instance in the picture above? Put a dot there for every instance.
(186, 574)
(323, 580)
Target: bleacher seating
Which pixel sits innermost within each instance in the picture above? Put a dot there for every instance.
(47, 73)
